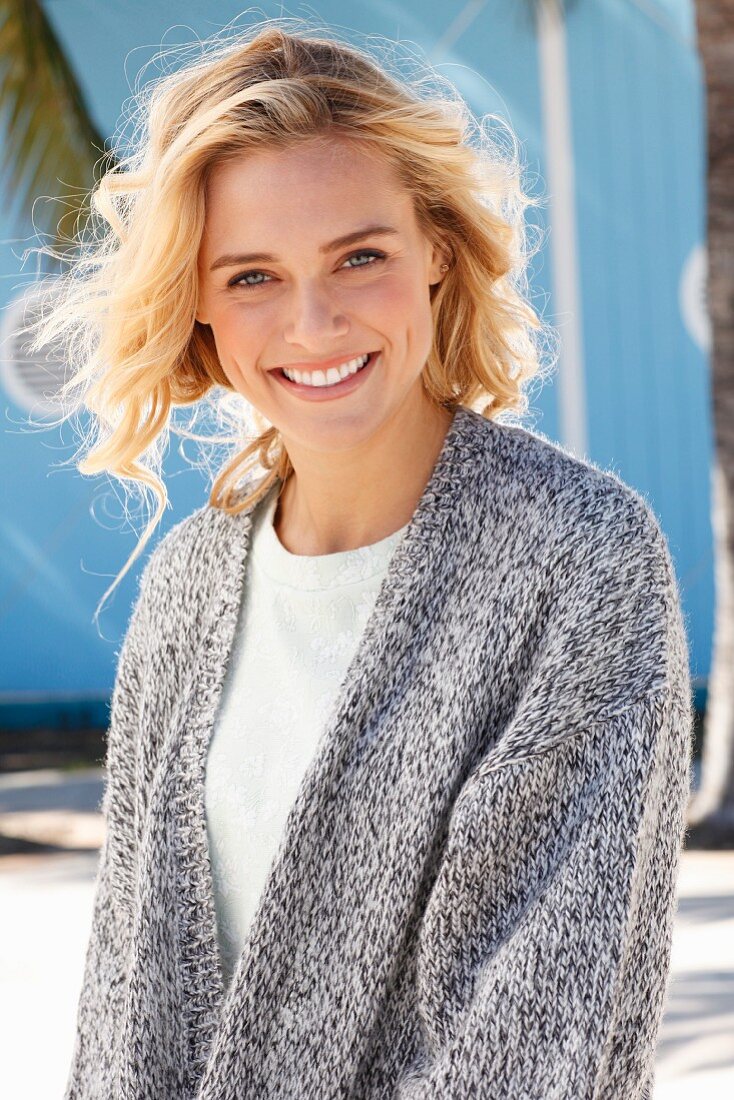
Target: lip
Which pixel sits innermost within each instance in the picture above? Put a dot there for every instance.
(329, 393)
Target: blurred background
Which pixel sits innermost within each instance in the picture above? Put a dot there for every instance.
(625, 113)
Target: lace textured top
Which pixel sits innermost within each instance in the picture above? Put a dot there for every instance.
(300, 620)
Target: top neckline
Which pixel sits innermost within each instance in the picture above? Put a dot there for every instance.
(315, 571)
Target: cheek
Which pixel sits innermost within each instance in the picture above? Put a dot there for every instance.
(391, 304)
(238, 332)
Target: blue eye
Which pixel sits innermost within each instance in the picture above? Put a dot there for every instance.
(371, 253)
(237, 281)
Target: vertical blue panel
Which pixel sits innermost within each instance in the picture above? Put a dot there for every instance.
(638, 132)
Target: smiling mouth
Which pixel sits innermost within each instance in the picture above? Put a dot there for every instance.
(331, 377)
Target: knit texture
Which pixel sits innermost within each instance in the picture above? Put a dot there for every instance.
(474, 892)
(301, 618)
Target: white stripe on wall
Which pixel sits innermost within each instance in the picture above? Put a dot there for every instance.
(558, 142)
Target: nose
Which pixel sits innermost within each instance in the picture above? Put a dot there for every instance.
(315, 320)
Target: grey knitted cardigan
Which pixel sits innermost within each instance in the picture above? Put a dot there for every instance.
(474, 892)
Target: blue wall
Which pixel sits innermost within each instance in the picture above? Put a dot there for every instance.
(638, 123)
(637, 129)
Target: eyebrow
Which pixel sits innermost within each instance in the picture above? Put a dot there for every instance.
(231, 259)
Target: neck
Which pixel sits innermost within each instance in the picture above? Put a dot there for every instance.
(334, 503)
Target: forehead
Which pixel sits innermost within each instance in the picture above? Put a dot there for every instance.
(305, 195)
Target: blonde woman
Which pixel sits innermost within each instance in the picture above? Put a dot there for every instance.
(400, 737)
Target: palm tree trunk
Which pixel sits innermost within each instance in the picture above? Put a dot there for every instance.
(711, 812)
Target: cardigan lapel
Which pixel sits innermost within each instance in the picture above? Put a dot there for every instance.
(217, 1027)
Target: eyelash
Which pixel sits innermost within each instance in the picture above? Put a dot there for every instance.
(255, 286)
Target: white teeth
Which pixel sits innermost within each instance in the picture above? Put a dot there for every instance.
(329, 377)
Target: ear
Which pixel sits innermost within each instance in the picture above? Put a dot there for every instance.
(440, 254)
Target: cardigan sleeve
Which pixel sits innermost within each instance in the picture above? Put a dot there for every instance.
(92, 1074)
(545, 946)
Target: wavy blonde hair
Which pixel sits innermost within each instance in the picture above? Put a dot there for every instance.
(124, 310)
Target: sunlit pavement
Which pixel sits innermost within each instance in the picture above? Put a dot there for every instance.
(45, 901)
(46, 897)
(696, 1048)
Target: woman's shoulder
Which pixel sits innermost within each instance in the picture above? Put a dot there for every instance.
(184, 570)
(173, 553)
(550, 495)
(202, 535)
(585, 554)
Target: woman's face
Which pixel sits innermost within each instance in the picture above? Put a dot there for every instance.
(311, 258)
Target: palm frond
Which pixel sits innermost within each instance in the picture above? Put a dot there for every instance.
(51, 145)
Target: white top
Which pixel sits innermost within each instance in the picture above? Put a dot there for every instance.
(300, 620)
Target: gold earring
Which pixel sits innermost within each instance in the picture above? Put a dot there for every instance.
(444, 267)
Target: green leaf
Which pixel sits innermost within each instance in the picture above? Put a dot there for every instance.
(50, 144)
